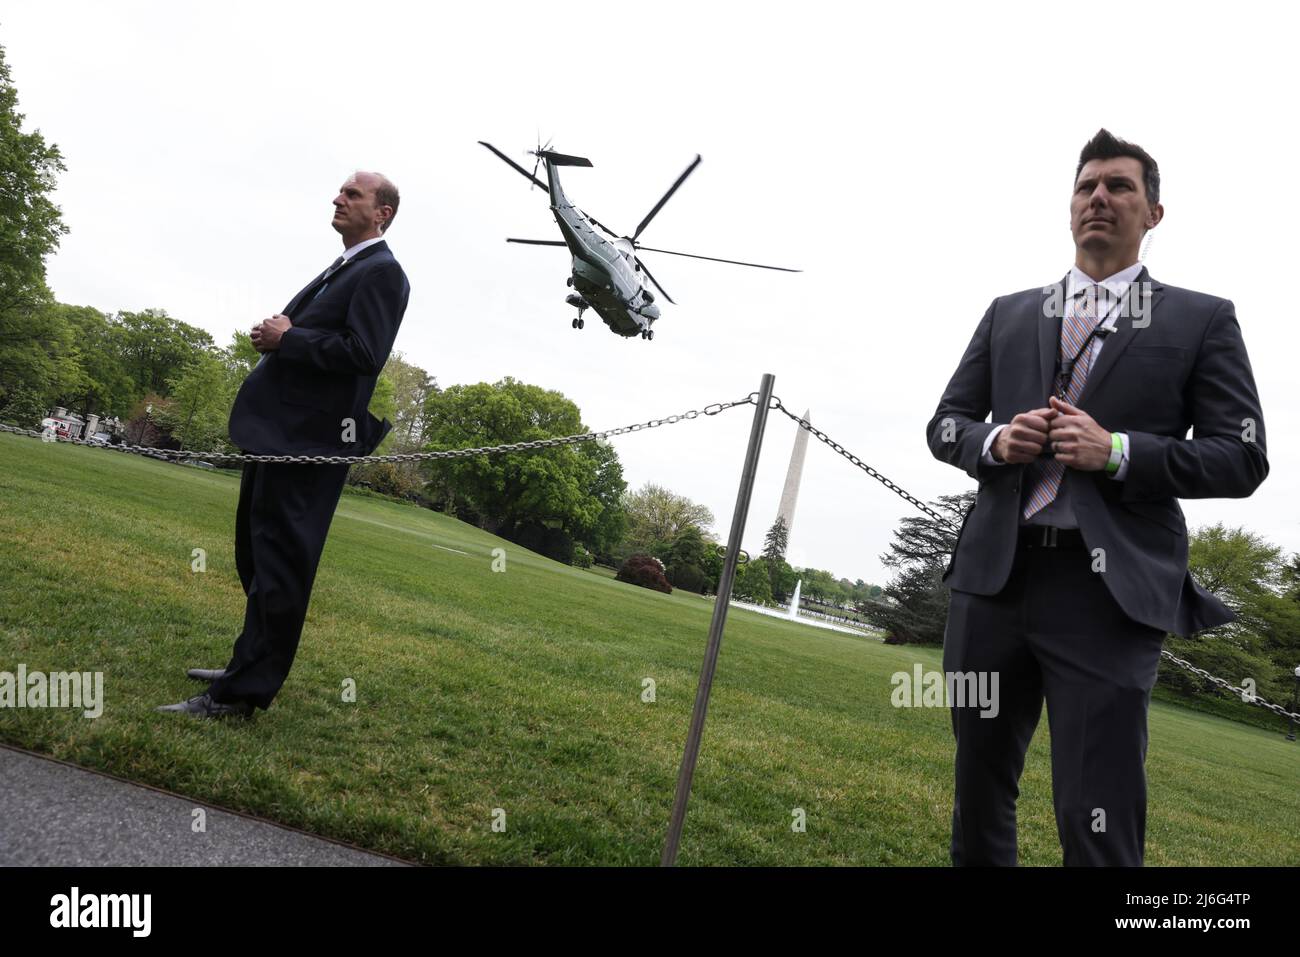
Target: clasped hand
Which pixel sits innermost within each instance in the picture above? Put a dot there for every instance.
(266, 335)
(1075, 437)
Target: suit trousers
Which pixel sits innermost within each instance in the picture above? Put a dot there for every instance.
(283, 518)
(1053, 632)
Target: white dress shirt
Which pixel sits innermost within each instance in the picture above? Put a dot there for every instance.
(353, 250)
(1060, 511)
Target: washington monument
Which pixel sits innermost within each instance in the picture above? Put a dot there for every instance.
(790, 494)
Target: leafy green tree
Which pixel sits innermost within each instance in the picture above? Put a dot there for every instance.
(783, 578)
(609, 527)
(412, 387)
(569, 486)
(753, 582)
(199, 408)
(104, 387)
(685, 559)
(23, 408)
(711, 566)
(38, 354)
(687, 548)
(240, 357)
(155, 347)
(1253, 578)
(656, 516)
(31, 225)
(1291, 578)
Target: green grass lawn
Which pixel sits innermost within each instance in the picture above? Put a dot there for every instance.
(521, 690)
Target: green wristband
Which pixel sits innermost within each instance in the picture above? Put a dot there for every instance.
(1116, 453)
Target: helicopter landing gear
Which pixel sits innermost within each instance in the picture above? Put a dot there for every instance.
(647, 334)
(580, 304)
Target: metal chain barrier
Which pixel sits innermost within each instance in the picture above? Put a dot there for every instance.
(711, 409)
(1244, 695)
(897, 489)
(180, 455)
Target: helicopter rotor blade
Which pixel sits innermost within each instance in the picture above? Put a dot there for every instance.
(522, 172)
(667, 196)
(734, 262)
(537, 242)
(651, 277)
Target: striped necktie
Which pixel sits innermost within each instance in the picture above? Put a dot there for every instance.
(1047, 473)
(334, 267)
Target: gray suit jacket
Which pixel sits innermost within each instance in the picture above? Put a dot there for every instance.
(1181, 364)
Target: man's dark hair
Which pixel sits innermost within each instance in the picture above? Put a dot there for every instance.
(1105, 145)
(386, 195)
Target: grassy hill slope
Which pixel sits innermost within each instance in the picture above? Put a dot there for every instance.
(522, 690)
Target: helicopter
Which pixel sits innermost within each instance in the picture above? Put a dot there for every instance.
(608, 275)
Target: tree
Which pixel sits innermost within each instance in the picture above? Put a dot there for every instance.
(22, 407)
(916, 605)
(603, 533)
(687, 548)
(569, 487)
(103, 387)
(412, 387)
(201, 395)
(241, 356)
(782, 577)
(753, 582)
(30, 224)
(779, 571)
(686, 560)
(656, 516)
(155, 347)
(778, 536)
(1253, 578)
(38, 353)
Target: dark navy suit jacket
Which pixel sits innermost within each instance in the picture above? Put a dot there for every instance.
(1181, 365)
(297, 398)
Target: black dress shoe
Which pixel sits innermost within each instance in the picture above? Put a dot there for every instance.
(202, 706)
(207, 674)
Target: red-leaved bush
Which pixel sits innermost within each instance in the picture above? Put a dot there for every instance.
(646, 571)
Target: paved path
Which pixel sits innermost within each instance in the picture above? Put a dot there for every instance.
(54, 814)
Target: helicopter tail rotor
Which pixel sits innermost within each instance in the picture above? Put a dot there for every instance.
(538, 153)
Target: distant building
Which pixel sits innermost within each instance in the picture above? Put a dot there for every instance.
(67, 424)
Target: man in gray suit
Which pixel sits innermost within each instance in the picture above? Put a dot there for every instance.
(1071, 566)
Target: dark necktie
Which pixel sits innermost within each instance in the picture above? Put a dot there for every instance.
(334, 267)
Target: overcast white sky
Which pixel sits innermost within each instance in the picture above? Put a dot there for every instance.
(915, 160)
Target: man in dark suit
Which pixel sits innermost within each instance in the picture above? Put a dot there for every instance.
(1071, 566)
(308, 395)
